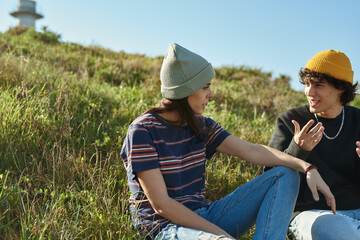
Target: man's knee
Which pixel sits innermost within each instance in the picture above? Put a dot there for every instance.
(330, 226)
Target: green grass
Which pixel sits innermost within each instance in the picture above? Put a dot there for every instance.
(64, 112)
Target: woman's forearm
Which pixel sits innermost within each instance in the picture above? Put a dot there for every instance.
(183, 216)
(154, 188)
(260, 154)
(274, 157)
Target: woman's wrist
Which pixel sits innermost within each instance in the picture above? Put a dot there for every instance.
(310, 167)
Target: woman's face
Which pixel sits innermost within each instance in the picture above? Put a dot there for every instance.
(199, 99)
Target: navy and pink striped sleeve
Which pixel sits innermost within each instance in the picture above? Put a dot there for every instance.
(140, 151)
(216, 135)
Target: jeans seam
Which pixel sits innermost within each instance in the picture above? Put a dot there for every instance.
(271, 208)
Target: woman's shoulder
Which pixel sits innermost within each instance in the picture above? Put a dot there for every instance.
(146, 120)
(208, 121)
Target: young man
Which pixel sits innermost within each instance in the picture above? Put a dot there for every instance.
(326, 133)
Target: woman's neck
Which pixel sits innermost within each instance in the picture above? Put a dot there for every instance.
(172, 116)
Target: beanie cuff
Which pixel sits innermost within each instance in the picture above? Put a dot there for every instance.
(189, 87)
(334, 63)
(334, 70)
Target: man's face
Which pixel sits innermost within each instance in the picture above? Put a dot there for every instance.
(323, 98)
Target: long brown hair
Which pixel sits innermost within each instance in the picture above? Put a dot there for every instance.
(187, 116)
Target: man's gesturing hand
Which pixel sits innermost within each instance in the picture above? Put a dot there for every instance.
(305, 138)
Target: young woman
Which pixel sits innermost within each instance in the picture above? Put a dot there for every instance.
(164, 153)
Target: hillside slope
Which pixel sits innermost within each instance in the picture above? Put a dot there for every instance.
(65, 109)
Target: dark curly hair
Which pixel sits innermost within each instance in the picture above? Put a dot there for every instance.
(349, 90)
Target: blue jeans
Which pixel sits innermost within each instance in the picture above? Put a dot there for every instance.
(322, 224)
(267, 200)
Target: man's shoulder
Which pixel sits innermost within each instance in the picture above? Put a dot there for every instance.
(302, 110)
(352, 109)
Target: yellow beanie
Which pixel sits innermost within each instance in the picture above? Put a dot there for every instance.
(334, 63)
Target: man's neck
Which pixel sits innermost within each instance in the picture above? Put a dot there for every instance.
(332, 113)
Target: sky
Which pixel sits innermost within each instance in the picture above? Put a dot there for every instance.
(277, 36)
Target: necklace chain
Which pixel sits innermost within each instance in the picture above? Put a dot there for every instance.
(342, 123)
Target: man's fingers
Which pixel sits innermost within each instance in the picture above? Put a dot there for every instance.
(318, 135)
(297, 126)
(318, 127)
(307, 126)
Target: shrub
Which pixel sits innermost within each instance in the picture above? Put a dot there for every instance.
(15, 31)
(45, 36)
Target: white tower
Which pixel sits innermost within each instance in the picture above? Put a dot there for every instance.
(26, 13)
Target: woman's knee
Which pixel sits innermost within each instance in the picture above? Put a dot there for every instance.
(290, 175)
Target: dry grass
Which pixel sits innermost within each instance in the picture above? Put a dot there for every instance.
(64, 112)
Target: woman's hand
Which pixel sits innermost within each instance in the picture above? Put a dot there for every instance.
(358, 148)
(267, 156)
(306, 139)
(315, 183)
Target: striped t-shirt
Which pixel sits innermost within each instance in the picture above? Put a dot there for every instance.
(152, 143)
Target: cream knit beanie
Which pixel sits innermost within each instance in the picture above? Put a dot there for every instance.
(183, 72)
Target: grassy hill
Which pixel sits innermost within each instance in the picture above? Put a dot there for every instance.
(64, 112)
